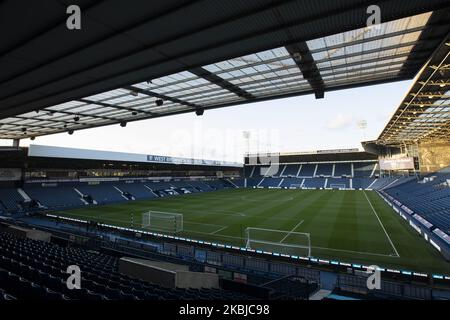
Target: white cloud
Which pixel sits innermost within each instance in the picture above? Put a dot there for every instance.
(340, 122)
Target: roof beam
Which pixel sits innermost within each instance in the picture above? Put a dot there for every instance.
(163, 97)
(300, 53)
(37, 119)
(80, 114)
(114, 106)
(211, 77)
(305, 62)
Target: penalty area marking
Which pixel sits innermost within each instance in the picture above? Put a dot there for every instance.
(289, 233)
(217, 231)
(218, 227)
(382, 226)
(214, 234)
(312, 247)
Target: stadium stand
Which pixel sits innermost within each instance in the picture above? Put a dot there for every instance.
(101, 193)
(338, 183)
(429, 197)
(54, 196)
(381, 183)
(72, 195)
(362, 183)
(36, 269)
(253, 182)
(270, 182)
(291, 170)
(240, 183)
(324, 169)
(314, 183)
(137, 189)
(253, 171)
(10, 199)
(342, 169)
(363, 169)
(219, 184)
(200, 185)
(292, 182)
(307, 170)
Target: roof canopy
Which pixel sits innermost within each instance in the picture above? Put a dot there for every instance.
(424, 114)
(139, 60)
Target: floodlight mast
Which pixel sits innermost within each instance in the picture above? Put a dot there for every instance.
(362, 124)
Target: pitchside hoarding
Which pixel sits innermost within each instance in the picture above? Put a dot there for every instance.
(397, 164)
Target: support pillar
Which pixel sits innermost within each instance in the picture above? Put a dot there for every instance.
(16, 143)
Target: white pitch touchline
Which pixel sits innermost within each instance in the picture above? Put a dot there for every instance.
(358, 252)
(296, 226)
(223, 228)
(382, 226)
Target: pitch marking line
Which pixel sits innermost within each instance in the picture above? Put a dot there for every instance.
(138, 224)
(202, 224)
(357, 252)
(382, 226)
(312, 247)
(233, 237)
(217, 231)
(217, 212)
(289, 233)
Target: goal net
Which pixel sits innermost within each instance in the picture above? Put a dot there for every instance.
(162, 221)
(296, 185)
(277, 241)
(338, 186)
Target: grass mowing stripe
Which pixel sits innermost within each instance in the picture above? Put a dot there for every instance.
(356, 234)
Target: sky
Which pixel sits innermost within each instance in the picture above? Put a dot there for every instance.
(285, 125)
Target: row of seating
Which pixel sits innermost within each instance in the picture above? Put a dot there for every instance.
(10, 199)
(71, 195)
(308, 170)
(331, 183)
(32, 269)
(429, 197)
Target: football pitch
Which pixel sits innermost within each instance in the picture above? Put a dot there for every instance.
(348, 226)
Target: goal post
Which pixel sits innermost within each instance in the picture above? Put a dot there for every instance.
(278, 241)
(296, 185)
(163, 221)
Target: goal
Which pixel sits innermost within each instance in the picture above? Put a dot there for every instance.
(295, 185)
(278, 241)
(163, 221)
(338, 186)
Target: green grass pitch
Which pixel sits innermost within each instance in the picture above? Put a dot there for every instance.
(349, 226)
